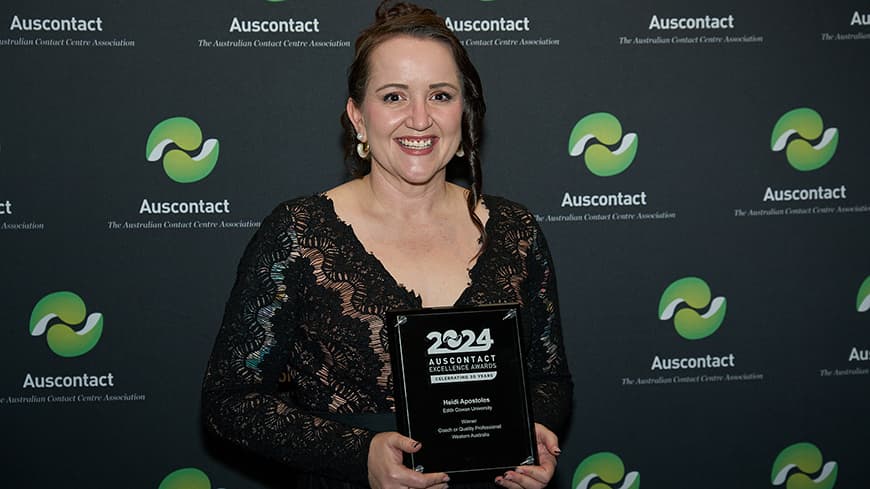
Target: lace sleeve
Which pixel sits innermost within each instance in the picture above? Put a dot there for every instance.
(551, 384)
(241, 402)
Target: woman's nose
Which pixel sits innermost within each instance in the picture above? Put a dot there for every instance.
(419, 118)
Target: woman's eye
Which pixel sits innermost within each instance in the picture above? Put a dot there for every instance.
(392, 97)
(442, 97)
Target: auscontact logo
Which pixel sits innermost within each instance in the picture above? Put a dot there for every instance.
(594, 135)
(187, 478)
(863, 301)
(689, 323)
(604, 470)
(807, 125)
(56, 314)
(796, 465)
(178, 164)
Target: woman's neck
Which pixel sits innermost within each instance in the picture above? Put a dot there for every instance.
(409, 202)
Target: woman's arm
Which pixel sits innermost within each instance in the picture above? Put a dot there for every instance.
(240, 398)
(549, 378)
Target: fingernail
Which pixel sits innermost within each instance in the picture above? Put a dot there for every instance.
(416, 444)
(557, 451)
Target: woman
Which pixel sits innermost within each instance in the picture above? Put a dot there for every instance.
(316, 281)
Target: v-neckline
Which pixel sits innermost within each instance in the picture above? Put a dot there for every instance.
(410, 293)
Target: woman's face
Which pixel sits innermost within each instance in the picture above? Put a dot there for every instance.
(411, 115)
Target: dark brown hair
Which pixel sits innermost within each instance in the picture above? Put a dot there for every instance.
(406, 19)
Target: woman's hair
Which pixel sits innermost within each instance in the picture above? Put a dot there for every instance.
(394, 19)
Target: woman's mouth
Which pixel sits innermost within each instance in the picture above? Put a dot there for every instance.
(416, 143)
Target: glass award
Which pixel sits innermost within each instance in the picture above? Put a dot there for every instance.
(460, 385)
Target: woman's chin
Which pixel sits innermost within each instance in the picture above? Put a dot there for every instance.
(420, 175)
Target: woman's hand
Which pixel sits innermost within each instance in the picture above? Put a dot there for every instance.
(535, 476)
(385, 465)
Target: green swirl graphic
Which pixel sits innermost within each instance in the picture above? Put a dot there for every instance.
(696, 294)
(863, 301)
(794, 464)
(606, 129)
(807, 124)
(603, 470)
(188, 478)
(178, 165)
(62, 339)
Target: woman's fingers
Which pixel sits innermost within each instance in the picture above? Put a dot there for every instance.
(386, 470)
(548, 439)
(535, 476)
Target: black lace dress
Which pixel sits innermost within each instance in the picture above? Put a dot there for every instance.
(303, 336)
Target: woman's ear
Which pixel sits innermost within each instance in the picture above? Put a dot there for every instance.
(355, 116)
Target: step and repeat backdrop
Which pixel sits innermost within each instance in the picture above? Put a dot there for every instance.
(700, 171)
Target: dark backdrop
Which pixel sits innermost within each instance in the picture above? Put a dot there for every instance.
(703, 103)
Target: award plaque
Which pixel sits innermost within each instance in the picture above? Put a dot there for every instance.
(460, 383)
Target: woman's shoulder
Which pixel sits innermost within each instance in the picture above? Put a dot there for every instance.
(509, 211)
(298, 211)
(301, 203)
(497, 202)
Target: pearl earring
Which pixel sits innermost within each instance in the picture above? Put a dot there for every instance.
(362, 148)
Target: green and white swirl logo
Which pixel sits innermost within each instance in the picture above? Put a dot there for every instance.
(695, 293)
(188, 478)
(607, 131)
(178, 164)
(795, 465)
(863, 301)
(57, 313)
(800, 153)
(604, 470)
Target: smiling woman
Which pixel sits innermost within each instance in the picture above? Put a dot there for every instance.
(411, 113)
(318, 279)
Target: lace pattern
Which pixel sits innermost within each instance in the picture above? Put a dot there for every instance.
(308, 305)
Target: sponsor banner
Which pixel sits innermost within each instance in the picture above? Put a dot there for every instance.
(501, 28)
(598, 140)
(854, 357)
(180, 225)
(800, 138)
(187, 157)
(604, 470)
(48, 30)
(800, 465)
(186, 478)
(70, 330)
(815, 210)
(697, 29)
(10, 220)
(689, 305)
(849, 25)
(276, 28)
